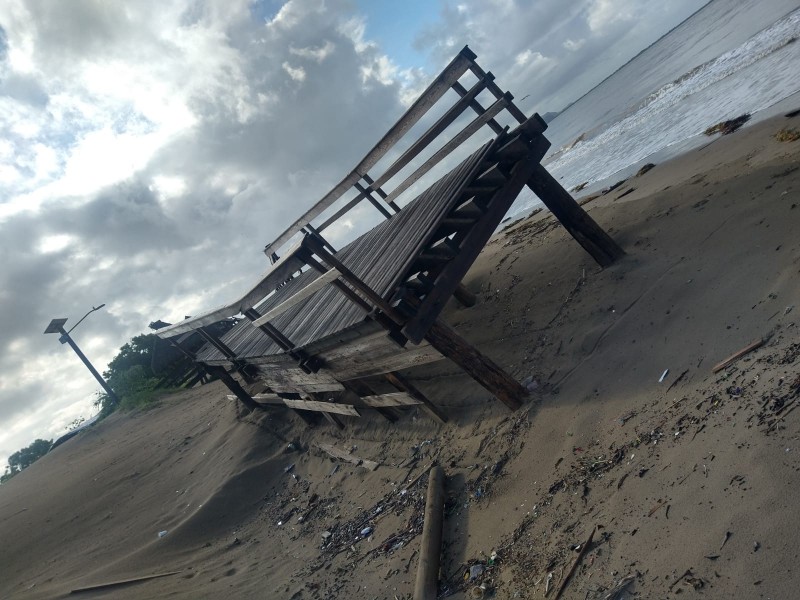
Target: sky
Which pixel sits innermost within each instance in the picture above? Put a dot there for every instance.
(149, 150)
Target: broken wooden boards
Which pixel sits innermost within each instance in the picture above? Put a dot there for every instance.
(335, 452)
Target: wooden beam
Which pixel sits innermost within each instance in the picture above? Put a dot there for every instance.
(391, 399)
(434, 131)
(450, 277)
(271, 279)
(309, 290)
(320, 406)
(481, 368)
(362, 390)
(430, 549)
(401, 383)
(233, 386)
(602, 248)
(461, 137)
(119, 582)
(335, 452)
(457, 67)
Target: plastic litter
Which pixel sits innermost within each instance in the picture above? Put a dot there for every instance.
(162, 533)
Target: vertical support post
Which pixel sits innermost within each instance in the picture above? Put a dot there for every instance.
(602, 248)
(464, 296)
(225, 350)
(481, 368)
(430, 550)
(233, 386)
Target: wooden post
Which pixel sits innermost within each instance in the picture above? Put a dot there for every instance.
(464, 296)
(233, 386)
(603, 249)
(479, 367)
(427, 584)
(403, 384)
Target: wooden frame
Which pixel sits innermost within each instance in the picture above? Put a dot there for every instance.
(317, 310)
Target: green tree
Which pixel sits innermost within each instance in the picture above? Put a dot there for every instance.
(130, 375)
(22, 459)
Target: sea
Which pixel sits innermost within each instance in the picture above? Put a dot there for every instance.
(729, 58)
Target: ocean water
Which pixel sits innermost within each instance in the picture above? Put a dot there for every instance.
(729, 58)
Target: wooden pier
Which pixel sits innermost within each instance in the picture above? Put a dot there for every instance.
(321, 319)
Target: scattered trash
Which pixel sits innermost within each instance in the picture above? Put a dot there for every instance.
(162, 533)
(326, 535)
(547, 583)
(726, 127)
(366, 531)
(644, 169)
(289, 468)
(756, 546)
(475, 571)
(663, 376)
(788, 135)
(678, 380)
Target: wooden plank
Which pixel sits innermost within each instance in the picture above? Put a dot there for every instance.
(400, 382)
(481, 368)
(296, 380)
(312, 288)
(391, 399)
(457, 67)
(448, 148)
(434, 131)
(272, 278)
(328, 407)
(119, 582)
(755, 344)
(413, 356)
(271, 399)
(335, 452)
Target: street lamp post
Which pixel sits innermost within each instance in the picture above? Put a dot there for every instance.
(57, 326)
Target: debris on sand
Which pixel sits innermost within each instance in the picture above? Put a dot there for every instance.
(788, 135)
(726, 127)
(644, 169)
(579, 187)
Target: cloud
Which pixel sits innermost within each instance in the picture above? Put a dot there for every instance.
(149, 150)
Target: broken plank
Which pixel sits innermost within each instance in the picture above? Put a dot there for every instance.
(737, 355)
(328, 407)
(102, 586)
(391, 399)
(335, 452)
(263, 399)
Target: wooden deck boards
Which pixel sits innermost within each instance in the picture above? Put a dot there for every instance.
(380, 258)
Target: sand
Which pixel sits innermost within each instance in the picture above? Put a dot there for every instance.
(690, 482)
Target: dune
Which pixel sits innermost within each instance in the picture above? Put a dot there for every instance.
(686, 477)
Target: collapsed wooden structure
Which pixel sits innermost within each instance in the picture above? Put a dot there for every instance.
(321, 320)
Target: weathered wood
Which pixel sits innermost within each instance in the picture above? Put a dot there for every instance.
(601, 246)
(119, 582)
(401, 383)
(271, 399)
(457, 67)
(281, 379)
(450, 277)
(426, 586)
(320, 406)
(312, 288)
(391, 399)
(755, 344)
(335, 452)
(478, 366)
(271, 279)
(234, 386)
(464, 296)
(362, 390)
(434, 131)
(448, 148)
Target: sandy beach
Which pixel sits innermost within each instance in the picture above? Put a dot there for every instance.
(687, 477)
